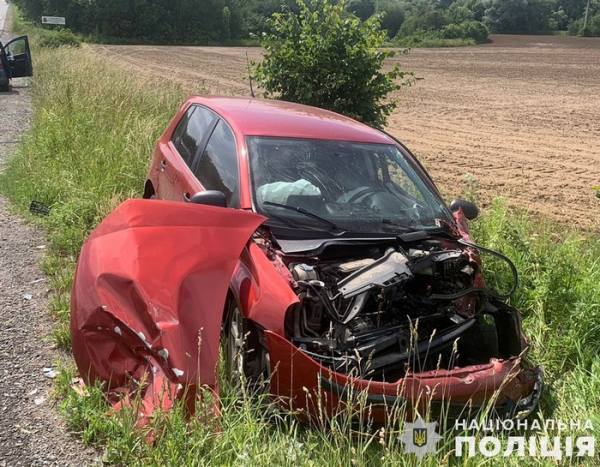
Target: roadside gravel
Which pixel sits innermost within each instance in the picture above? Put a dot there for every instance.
(32, 433)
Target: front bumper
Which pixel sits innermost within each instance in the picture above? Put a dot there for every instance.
(509, 387)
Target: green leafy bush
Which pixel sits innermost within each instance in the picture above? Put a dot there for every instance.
(452, 31)
(409, 27)
(450, 35)
(459, 14)
(433, 20)
(362, 8)
(327, 58)
(593, 28)
(575, 27)
(475, 30)
(422, 38)
(55, 39)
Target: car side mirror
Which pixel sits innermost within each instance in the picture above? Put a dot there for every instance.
(210, 198)
(470, 210)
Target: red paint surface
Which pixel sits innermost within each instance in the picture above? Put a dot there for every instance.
(268, 117)
(149, 290)
(296, 382)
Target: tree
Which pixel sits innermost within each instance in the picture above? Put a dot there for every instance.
(364, 9)
(476, 6)
(574, 9)
(442, 4)
(393, 17)
(33, 9)
(518, 15)
(433, 20)
(458, 14)
(325, 58)
(506, 15)
(410, 26)
(475, 30)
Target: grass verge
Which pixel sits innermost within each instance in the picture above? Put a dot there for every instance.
(92, 134)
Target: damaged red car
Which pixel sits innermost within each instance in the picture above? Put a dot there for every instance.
(319, 250)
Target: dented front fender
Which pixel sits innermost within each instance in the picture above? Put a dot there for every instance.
(149, 292)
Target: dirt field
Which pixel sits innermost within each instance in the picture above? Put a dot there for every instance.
(521, 114)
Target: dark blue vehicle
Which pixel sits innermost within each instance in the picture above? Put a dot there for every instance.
(15, 61)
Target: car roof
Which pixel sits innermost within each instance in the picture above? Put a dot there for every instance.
(266, 117)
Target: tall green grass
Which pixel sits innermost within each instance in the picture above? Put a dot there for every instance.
(89, 146)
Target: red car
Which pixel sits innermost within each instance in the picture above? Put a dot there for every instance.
(322, 252)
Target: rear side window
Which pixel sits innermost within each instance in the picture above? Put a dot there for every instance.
(218, 168)
(192, 131)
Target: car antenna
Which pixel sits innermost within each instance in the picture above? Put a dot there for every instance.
(250, 77)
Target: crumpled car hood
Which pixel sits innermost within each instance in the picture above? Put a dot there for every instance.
(149, 291)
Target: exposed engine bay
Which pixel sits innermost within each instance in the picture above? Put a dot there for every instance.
(381, 311)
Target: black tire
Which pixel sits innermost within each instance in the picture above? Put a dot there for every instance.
(235, 344)
(5, 87)
(244, 358)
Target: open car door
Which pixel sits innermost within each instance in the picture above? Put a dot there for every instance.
(19, 57)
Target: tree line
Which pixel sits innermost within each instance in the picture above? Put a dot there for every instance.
(223, 21)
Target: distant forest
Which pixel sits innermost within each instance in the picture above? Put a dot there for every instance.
(231, 21)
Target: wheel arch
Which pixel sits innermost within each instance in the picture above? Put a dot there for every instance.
(149, 190)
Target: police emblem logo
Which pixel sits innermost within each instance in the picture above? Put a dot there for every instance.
(419, 436)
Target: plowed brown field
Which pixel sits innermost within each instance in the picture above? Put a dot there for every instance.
(521, 114)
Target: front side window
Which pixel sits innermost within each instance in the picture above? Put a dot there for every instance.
(17, 47)
(356, 186)
(218, 168)
(192, 131)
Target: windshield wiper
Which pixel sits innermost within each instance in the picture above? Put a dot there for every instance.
(398, 224)
(303, 211)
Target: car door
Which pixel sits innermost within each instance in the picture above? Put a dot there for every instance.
(19, 57)
(176, 179)
(218, 167)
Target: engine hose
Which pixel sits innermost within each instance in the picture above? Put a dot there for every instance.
(454, 296)
(485, 290)
(333, 312)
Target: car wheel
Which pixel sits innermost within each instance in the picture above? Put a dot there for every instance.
(236, 345)
(245, 359)
(4, 87)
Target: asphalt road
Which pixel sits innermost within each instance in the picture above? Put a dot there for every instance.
(3, 15)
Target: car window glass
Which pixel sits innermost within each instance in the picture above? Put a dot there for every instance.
(17, 47)
(390, 171)
(192, 131)
(218, 168)
(183, 148)
(357, 186)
